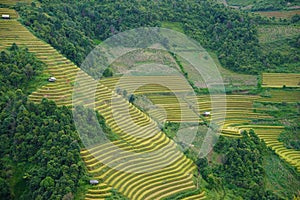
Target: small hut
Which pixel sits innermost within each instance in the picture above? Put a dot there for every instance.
(206, 114)
(5, 16)
(94, 182)
(52, 79)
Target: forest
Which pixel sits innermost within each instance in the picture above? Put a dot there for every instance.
(75, 29)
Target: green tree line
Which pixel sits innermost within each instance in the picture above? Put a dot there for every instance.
(76, 28)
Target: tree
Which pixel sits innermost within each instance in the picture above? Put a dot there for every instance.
(4, 189)
(295, 18)
(108, 72)
(131, 98)
(124, 93)
(47, 183)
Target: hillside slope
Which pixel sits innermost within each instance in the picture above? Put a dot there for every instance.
(176, 177)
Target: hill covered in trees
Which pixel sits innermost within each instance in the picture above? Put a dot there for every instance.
(75, 29)
(40, 154)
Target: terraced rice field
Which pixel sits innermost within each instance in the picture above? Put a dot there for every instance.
(270, 135)
(169, 108)
(196, 197)
(5, 11)
(120, 164)
(13, 2)
(279, 80)
(100, 191)
(139, 134)
(239, 110)
(58, 66)
(239, 116)
(147, 84)
(282, 96)
(155, 184)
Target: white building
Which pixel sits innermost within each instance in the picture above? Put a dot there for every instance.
(52, 79)
(5, 17)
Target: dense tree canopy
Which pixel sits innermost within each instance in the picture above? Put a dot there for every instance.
(76, 28)
(39, 144)
(18, 67)
(241, 169)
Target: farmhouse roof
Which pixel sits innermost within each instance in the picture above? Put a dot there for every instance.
(94, 182)
(5, 16)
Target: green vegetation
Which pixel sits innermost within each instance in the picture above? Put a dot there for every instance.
(18, 68)
(56, 64)
(291, 137)
(280, 177)
(40, 158)
(283, 106)
(233, 79)
(263, 5)
(73, 27)
(269, 33)
(284, 56)
(189, 194)
(247, 170)
(282, 16)
(282, 37)
(231, 34)
(116, 196)
(176, 26)
(171, 129)
(89, 133)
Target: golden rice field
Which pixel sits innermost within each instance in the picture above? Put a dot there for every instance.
(58, 66)
(239, 110)
(13, 2)
(100, 191)
(282, 96)
(196, 197)
(239, 116)
(139, 134)
(279, 80)
(147, 84)
(12, 13)
(158, 182)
